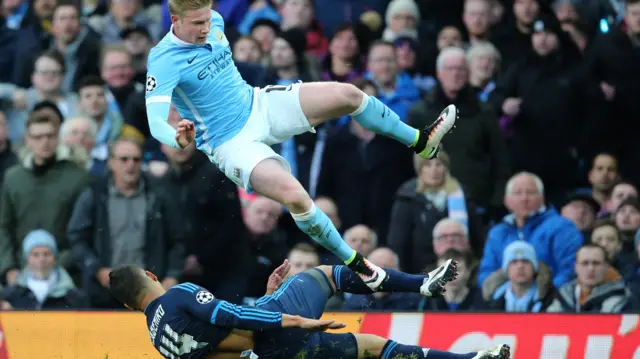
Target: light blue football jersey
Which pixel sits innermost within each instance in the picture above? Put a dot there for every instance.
(203, 84)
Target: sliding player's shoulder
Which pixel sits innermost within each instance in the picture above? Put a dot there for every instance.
(195, 292)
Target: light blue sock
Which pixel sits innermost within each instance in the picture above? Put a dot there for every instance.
(319, 227)
(377, 117)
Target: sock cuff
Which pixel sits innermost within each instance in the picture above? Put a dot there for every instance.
(363, 105)
(387, 349)
(306, 216)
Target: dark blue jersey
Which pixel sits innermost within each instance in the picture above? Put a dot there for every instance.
(188, 322)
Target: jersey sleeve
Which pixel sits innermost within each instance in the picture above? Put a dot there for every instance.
(203, 305)
(162, 79)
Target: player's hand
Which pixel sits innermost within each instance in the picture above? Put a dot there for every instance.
(5, 306)
(320, 325)
(277, 277)
(185, 133)
(511, 106)
(103, 276)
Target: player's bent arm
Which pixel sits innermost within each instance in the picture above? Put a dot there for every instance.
(158, 115)
(249, 318)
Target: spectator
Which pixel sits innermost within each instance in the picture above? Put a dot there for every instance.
(608, 236)
(581, 209)
(598, 288)
(77, 44)
(620, 192)
(123, 14)
(433, 202)
(247, 49)
(47, 77)
(402, 16)
(117, 71)
(634, 281)
(627, 219)
(299, 14)
(7, 157)
(137, 41)
(484, 62)
(395, 88)
(478, 154)
(268, 245)
(382, 301)
(93, 103)
(476, 17)
(209, 207)
(260, 9)
(302, 257)
(342, 63)
(80, 133)
(287, 57)
(362, 239)
(514, 41)
(355, 163)
(124, 217)
(522, 284)
(609, 61)
(554, 238)
(545, 94)
(265, 31)
(43, 284)
(460, 295)
(407, 55)
(38, 194)
(603, 176)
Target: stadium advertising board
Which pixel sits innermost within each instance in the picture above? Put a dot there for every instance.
(119, 335)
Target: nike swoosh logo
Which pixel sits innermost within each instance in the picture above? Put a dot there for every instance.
(190, 61)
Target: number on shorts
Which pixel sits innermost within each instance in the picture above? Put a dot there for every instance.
(174, 345)
(277, 88)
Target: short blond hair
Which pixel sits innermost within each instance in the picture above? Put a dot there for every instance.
(179, 7)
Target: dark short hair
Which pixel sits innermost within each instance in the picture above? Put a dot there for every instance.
(465, 256)
(73, 3)
(55, 56)
(127, 284)
(592, 245)
(89, 81)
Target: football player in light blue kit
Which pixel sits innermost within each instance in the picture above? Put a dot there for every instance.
(235, 124)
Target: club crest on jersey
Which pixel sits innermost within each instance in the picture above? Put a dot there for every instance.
(221, 38)
(204, 297)
(151, 83)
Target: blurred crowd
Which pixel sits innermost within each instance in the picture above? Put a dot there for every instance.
(535, 192)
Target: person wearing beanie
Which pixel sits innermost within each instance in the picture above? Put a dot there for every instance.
(401, 16)
(42, 284)
(523, 284)
(627, 219)
(265, 31)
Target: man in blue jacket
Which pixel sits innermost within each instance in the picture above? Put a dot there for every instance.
(555, 239)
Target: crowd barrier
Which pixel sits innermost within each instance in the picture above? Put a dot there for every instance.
(120, 335)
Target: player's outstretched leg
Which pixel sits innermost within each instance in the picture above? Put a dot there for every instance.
(431, 284)
(270, 179)
(321, 101)
(373, 347)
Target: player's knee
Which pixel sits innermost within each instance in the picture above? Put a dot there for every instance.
(328, 271)
(370, 346)
(350, 95)
(296, 199)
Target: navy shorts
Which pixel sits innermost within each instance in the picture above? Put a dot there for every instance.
(306, 295)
